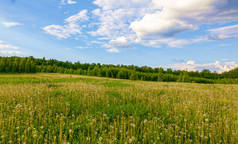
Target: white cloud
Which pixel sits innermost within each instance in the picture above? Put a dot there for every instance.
(6, 49)
(71, 2)
(71, 27)
(81, 16)
(64, 31)
(172, 42)
(117, 4)
(148, 22)
(82, 47)
(173, 17)
(216, 66)
(11, 24)
(153, 22)
(224, 32)
(154, 25)
(68, 2)
(116, 44)
(120, 42)
(113, 50)
(112, 23)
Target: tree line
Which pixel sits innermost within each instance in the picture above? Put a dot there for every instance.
(145, 73)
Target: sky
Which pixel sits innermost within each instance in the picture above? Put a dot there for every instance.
(183, 34)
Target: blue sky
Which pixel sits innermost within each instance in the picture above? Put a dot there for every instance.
(181, 34)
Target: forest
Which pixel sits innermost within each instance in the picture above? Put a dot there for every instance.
(41, 65)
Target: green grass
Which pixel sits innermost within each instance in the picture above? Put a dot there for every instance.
(54, 108)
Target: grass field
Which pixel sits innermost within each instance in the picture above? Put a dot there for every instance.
(54, 108)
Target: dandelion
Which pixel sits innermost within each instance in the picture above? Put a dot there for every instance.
(132, 125)
(34, 135)
(145, 121)
(130, 140)
(88, 138)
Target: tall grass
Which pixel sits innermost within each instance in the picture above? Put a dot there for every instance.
(52, 108)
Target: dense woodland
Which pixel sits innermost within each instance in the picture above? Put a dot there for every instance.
(41, 65)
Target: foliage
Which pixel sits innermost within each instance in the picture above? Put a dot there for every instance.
(36, 65)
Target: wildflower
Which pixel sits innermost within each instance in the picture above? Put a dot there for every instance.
(130, 140)
(87, 138)
(145, 121)
(132, 125)
(18, 106)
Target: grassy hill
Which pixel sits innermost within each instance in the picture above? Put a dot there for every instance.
(57, 108)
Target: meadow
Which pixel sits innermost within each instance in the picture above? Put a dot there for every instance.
(57, 108)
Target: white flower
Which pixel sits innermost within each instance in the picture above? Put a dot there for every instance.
(145, 120)
(133, 125)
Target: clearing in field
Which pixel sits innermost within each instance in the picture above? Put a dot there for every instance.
(54, 108)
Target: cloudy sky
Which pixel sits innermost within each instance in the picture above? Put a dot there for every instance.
(182, 34)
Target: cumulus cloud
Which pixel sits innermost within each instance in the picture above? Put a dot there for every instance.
(173, 17)
(153, 26)
(114, 45)
(6, 49)
(71, 27)
(156, 22)
(120, 42)
(216, 66)
(11, 24)
(150, 22)
(112, 23)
